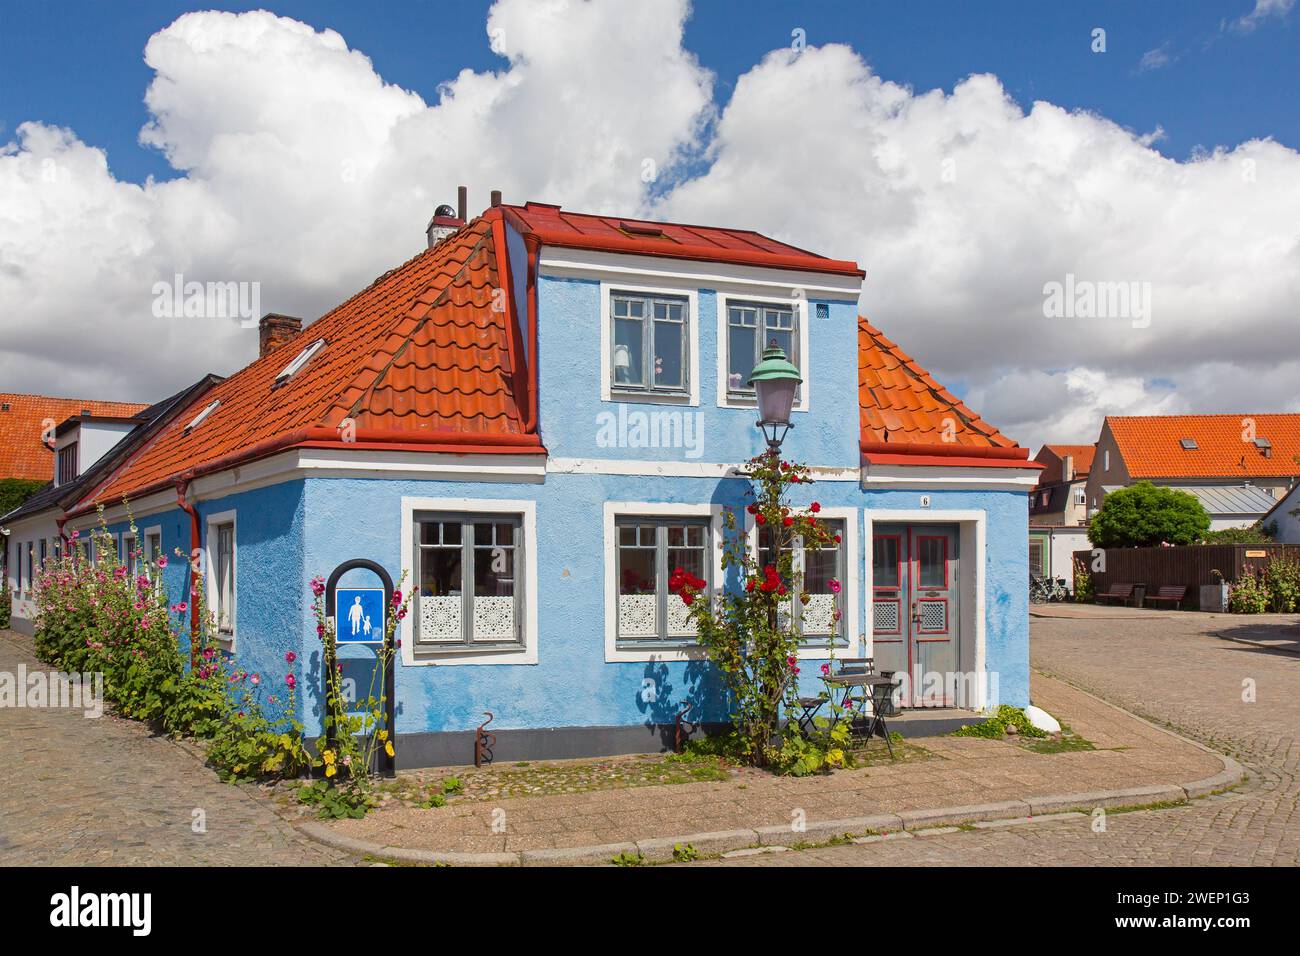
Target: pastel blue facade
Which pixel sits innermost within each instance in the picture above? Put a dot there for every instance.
(288, 532)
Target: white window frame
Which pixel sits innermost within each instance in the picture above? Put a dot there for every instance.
(847, 639)
(630, 509)
(850, 588)
(607, 391)
(129, 540)
(211, 523)
(527, 511)
(146, 534)
(800, 304)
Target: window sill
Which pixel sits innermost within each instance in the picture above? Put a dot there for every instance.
(649, 398)
(627, 652)
(424, 655)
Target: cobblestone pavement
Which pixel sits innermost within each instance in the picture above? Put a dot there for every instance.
(90, 792)
(1178, 672)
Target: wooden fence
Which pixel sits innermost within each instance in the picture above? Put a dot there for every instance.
(1189, 566)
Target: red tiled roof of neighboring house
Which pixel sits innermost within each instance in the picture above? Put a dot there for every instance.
(426, 356)
(23, 419)
(1151, 445)
(1082, 455)
(554, 226)
(908, 417)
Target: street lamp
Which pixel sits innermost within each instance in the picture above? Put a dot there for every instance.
(774, 380)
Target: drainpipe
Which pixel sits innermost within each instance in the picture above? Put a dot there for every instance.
(182, 489)
(60, 522)
(534, 247)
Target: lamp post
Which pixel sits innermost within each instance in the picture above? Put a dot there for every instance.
(774, 380)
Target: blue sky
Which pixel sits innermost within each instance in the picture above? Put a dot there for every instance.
(308, 171)
(79, 64)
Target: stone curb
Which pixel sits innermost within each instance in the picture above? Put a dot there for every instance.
(1258, 645)
(660, 849)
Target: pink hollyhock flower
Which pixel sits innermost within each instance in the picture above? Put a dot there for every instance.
(826, 670)
(290, 657)
(834, 585)
(256, 679)
(291, 681)
(397, 598)
(208, 653)
(162, 560)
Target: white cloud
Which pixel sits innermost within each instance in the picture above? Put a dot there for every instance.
(1155, 59)
(1263, 10)
(304, 170)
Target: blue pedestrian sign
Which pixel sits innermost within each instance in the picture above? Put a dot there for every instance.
(359, 615)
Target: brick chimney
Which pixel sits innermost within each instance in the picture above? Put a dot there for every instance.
(1067, 468)
(274, 330)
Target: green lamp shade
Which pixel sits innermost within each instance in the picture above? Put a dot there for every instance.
(775, 381)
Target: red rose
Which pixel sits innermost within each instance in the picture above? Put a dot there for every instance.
(787, 521)
(759, 519)
(814, 507)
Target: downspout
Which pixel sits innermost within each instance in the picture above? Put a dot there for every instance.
(182, 488)
(63, 537)
(534, 247)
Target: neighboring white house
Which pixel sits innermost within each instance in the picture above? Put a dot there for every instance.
(1286, 516)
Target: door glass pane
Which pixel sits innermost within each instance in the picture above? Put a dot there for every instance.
(668, 354)
(629, 359)
(884, 562)
(932, 558)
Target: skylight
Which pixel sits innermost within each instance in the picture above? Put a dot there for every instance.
(1263, 443)
(296, 365)
(1189, 444)
(202, 416)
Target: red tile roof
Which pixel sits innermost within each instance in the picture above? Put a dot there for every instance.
(420, 358)
(574, 230)
(24, 417)
(1082, 455)
(908, 417)
(1151, 445)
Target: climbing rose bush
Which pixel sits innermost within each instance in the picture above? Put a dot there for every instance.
(756, 654)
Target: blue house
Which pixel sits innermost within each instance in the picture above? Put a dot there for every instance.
(537, 417)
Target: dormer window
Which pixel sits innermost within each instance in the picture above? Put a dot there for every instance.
(1189, 444)
(202, 416)
(303, 357)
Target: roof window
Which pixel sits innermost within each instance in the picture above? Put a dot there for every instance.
(1189, 444)
(296, 365)
(202, 416)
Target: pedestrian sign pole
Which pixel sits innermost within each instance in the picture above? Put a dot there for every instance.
(363, 619)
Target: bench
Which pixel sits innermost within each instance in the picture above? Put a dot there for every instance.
(1174, 595)
(1120, 592)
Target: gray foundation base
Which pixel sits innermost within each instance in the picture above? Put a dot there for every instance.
(22, 625)
(564, 743)
(545, 743)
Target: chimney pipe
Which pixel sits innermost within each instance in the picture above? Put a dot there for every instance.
(274, 330)
(496, 198)
(462, 203)
(1067, 468)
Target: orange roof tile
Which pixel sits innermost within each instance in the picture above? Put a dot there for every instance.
(904, 411)
(574, 230)
(420, 356)
(23, 418)
(1151, 445)
(1082, 455)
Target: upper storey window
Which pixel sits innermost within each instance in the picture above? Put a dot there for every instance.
(650, 344)
(752, 327)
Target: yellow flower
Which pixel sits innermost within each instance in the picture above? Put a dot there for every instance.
(835, 757)
(388, 748)
(328, 756)
(383, 735)
(330, 770)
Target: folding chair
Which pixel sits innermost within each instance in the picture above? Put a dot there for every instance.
(881, 703)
